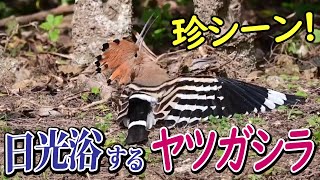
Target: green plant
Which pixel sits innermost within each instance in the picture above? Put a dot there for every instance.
(219, 152)
(110, 142)
(239, 117)
(301, 94)
(92, 96)
(316, 135)
(3, 177)
(66, 2)
(292, 47)
(122, 138)
(289, 78)
(4, 126)
(142, 176)
(300, 7)
(314, 122)
(5, 10)
(295, 78)
(222, 126)
(104, 123)
(118, 139)
(95, 90)
(81, 115)
(12, 28)
(184, 2)
(256, 121)
(51, 26)
(282, 108)
(316, 33)
(292, 86)
(147, 154)
(254, 177)
(85, 97)
(103, 108)
(294, 113)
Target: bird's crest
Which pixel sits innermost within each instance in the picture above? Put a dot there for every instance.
(123, 56)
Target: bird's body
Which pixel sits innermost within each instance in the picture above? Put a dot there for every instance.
(154, 98)
(188, 100)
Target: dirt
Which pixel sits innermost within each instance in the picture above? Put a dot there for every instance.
(21, 115)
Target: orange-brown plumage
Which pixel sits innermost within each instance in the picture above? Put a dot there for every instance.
(118, 52)
(119, 56)
(128, 63)
(132, 62)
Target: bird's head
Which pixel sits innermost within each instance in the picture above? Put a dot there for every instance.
(126, 58)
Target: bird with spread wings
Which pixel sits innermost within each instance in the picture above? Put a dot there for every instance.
(152, 96)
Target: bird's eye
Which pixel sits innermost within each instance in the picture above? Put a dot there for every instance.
(136, 55)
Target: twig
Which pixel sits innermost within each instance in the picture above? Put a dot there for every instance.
(93, 104)
(169, 53)
(8, 39)
(88, 176)
(290, 112)
(230, 60)
(74, 96)
(160, 175)
(7, 90)
(66, 56)
(64, 9)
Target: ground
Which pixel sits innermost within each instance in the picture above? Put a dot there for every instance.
(22, 113)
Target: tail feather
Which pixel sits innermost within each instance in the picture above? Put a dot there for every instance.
(293, 99)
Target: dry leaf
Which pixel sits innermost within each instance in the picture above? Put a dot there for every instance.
(48, 111)
(302, 51)
(284, 60)
(22, 85)
(22, 74)
(254, 75)
(4, 108)
(183, 168)
(310, 73)
(70, 69)
(274, 81)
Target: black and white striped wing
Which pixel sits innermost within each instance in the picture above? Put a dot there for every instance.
(195, 99)
(123, 106)
(187, 100)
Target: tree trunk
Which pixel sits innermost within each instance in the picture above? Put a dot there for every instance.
(97, 21)
(241, 45)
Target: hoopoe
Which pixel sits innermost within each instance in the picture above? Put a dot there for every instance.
(152, 97)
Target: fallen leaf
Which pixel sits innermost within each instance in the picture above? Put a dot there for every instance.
(23, 85)
(70, 69)
(310, 73)
(183, 168)
(22, 74)
(302, 51)
(274, 81)
(4, 108)
(254, 75)
(284, 60)
(48, 111)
